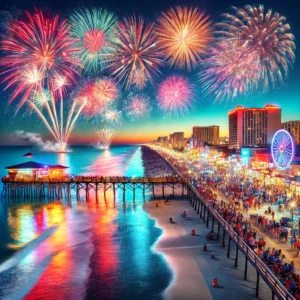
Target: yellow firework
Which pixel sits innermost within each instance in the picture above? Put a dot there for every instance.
(184, 34)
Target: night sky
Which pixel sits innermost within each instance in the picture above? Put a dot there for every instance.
(206, 112)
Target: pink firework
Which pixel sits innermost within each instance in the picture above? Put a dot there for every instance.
(175, 95)
(99, 95)
(230, 71)
(94, 40)
(138, 107)
(40, 42)
(105, 90)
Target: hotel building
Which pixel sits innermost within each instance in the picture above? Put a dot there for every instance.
(177, 140)
(207, 134)
(162, 141)
(249, 127)
(293, 127)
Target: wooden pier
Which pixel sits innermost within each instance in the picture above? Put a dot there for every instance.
(63, 187)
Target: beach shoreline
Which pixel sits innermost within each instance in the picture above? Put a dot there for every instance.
(193, 269)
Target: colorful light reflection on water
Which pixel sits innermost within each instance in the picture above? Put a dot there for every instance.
(100, 249)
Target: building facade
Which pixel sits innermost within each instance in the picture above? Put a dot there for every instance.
(33, 170)
(293, 127)
(250, 127)
(162, 141)
(207, 134)
(177, 140)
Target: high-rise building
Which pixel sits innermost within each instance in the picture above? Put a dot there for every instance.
(177, 140)
(162, 141)
(250, 127)
(293, 127)
(207, 134)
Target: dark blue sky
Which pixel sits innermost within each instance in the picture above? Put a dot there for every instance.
(205, 112)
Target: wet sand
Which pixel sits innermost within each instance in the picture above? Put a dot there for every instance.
(193, 269)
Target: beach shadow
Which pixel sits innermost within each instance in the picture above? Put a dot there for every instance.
(195, 234)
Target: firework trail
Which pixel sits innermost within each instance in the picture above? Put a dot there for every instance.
(258, 37)
(45, 102)
(138, 107)
(137, 57)
(38, 57)
(106, 135)
(184, 34)
(94, 31)
(175, 95)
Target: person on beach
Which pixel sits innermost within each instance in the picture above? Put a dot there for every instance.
(209, 236)
(215, 283)
(205, 248)
(212, 256)
(171, 220)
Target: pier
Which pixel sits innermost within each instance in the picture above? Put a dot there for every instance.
(59, 188)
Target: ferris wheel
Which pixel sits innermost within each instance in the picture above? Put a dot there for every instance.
(282, 149)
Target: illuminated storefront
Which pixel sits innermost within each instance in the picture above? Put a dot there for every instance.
(34, 170)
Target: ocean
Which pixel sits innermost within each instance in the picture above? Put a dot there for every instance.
(69, 249)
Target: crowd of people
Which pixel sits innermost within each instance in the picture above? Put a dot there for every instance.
(238, 196)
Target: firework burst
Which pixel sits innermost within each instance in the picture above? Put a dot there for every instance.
(138, 79)
(229, 72)
(113, 116)
(184, 34)
(138, 107)
(100, 94)
(175, 95)
(40, 43)
(137, 52)
(262, 36)
(94, 31)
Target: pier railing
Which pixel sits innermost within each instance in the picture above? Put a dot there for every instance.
(96, 179)
(269, 277)
(262, 269)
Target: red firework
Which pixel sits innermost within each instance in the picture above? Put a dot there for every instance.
(40, 42)
(175, 95)
(99, 94)
(94, 40)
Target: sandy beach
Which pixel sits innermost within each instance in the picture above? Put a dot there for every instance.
(193, 269)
